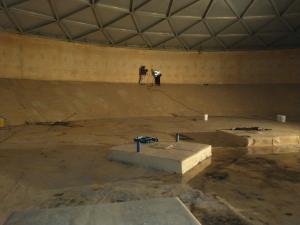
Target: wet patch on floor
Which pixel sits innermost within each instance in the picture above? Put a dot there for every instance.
(217, 175)
(217, 218)
(271, 169)
(258, 184)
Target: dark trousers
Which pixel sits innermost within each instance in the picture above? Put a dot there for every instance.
(157, 80)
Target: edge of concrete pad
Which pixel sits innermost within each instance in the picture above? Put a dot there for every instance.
(203, 154)
(82, 213)
(188, 211)
(275, 149)
(142, 161)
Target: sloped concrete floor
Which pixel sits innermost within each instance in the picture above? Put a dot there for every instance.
(45, 166)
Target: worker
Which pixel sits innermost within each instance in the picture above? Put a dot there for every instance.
(142, 74)
(156, 75)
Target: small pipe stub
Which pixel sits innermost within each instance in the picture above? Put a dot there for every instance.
(205, 117)
(138, 146)
(177, 137)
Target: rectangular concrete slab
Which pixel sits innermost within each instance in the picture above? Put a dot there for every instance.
(261, 138)
(161, 211)
(178, 157)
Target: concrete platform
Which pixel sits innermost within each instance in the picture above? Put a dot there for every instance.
(161, 211)
(261, 138)
(178, 157)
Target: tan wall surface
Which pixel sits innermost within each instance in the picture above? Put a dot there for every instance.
(43, 59)
(28, 100)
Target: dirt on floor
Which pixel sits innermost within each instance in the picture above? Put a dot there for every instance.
(46, 165)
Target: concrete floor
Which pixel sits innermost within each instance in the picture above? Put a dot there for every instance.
(44, 166)
(156, 211)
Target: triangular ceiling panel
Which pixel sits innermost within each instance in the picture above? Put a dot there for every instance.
(293, 20)
(271, 38)
(29, 21)
(196, 10)
(38, 6)
(192, 40)
(256, 23)
(136, 41)
(260, 8)
(124, 23)
(198, 28)
(124, 4)
(138, 3)
(155, 6)
(230, 40)
(288, 42)
(249, 43)
(10, 3)
(144, 21)
(162, 27)
(236, 28)
(179, 4)
(4, 22)
(282, 5)
(156, 39)
(52, 30)
(182, 23)
(76, 29)
(211, 44)
(119, 35)
(172, 44)
(294, 8)
(217, 25)
(220, 9)
(239, 6)
(95, 37)
(108, 15)
(277, 25)
(65, 7)
(86, 16)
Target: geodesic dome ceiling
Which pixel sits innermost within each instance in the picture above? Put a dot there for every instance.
(172, 24)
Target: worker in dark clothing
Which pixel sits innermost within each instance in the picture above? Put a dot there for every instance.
(142, 73)
(156, 75)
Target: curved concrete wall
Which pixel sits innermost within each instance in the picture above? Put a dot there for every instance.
(32, 101)
(24, 57)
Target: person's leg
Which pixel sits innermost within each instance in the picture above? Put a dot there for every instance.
(142, 79)
(155, 80)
